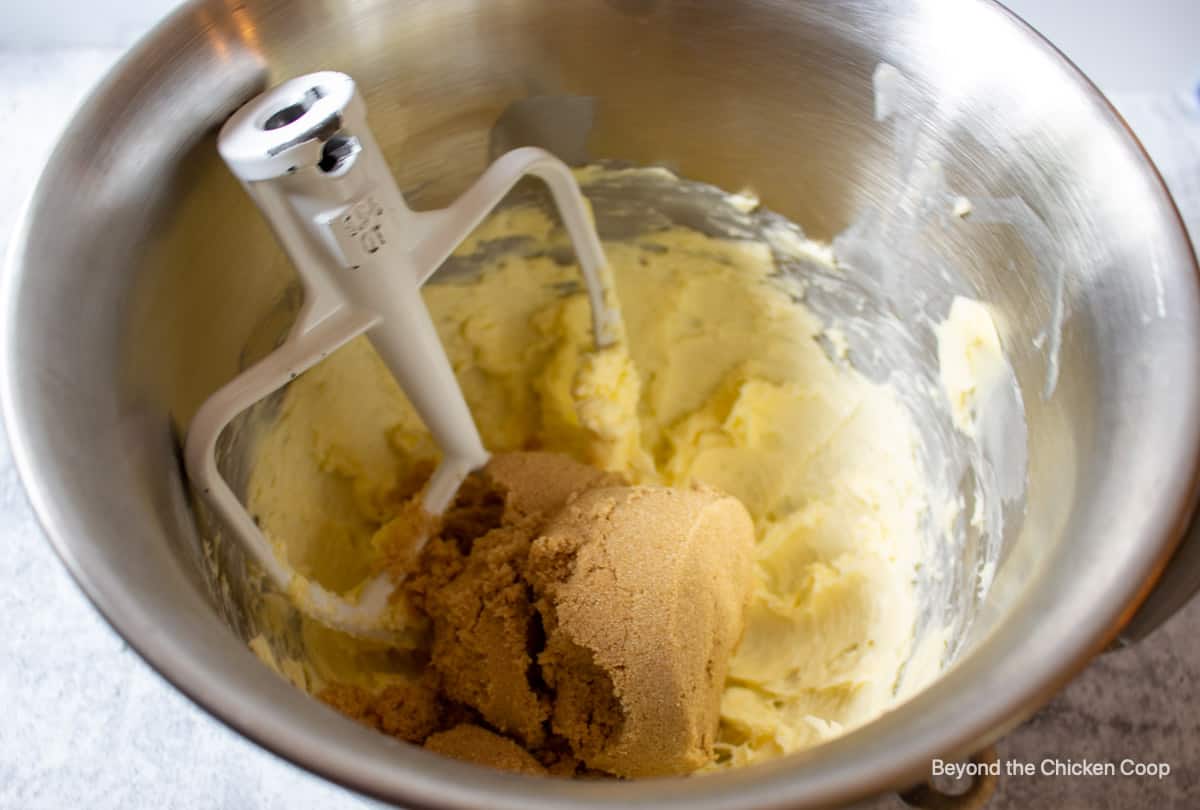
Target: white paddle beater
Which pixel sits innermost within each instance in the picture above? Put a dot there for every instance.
(303, 152)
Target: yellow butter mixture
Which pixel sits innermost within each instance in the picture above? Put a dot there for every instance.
(721, 381)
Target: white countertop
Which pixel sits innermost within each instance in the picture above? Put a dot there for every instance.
(87, 724)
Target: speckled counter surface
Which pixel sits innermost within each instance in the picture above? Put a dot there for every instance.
(87, 724)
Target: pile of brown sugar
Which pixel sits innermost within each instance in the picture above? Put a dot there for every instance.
(578, 624)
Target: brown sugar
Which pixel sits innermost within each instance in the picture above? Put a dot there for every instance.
(410, 711)
(472, 743)
(483, 617)
(642, 591)
(589, 621)
(482, 620)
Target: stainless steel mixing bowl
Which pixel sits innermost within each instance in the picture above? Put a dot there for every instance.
(141, 277)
